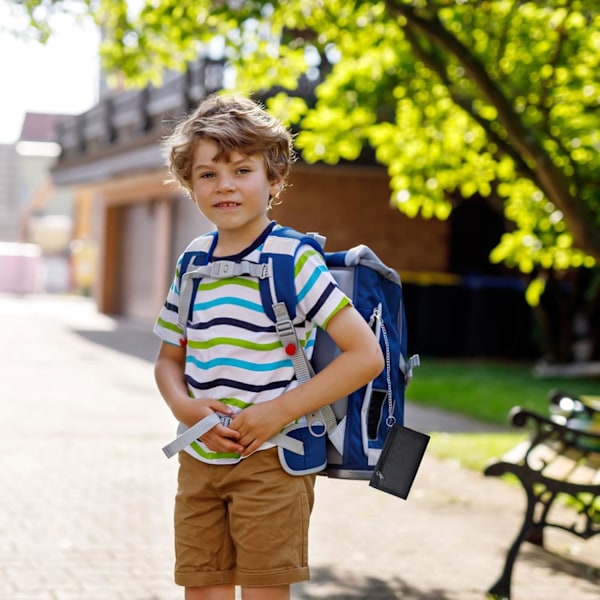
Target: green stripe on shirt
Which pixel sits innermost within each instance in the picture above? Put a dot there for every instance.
(229, 341)
(344, 302)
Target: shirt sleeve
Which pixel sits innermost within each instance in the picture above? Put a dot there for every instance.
(166, 327)
(319, 296)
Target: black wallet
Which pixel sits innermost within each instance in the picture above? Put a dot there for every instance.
(399, 461)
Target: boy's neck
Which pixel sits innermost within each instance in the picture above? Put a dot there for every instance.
(232, 242)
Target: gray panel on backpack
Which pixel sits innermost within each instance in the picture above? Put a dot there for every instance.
(326, 349)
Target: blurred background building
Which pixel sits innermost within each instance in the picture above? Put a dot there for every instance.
(36, 216)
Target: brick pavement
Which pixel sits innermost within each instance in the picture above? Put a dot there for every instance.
(86, 494)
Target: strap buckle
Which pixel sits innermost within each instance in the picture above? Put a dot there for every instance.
(221, 269)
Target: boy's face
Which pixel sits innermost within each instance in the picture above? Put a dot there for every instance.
(232, 194)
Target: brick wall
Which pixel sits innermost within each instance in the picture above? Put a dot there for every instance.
(350, 205)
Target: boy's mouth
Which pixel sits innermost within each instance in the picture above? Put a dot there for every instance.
(226, 204)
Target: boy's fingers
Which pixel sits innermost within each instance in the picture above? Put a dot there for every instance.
(246, 440)
(221, 443)
(252, 447)
(231, 433)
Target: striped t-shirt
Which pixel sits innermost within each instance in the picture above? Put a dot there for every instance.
(233, 353)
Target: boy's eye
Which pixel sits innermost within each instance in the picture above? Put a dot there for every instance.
(206, 175)
(243, 170)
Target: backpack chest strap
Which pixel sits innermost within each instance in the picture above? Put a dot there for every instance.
(218, 269)
(223, 269)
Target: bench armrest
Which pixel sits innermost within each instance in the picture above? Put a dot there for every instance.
(559, 457)
(587, 404)
(547, 430)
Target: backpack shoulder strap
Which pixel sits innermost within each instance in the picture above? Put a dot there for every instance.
(278, 292)
(279, 250)
(278, 296)
(196, 254)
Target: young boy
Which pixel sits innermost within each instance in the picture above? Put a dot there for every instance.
(240, 519)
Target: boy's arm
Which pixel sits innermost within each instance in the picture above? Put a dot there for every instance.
(360, 361)
(169, 370)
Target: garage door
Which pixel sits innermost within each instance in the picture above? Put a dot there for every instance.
(137, 248)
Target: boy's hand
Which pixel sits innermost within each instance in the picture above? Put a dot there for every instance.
(219, 438)
(257, 424)
(222, 439)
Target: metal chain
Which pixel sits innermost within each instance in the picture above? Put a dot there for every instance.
(391, 419)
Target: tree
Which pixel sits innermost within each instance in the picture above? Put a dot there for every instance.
(457, 98)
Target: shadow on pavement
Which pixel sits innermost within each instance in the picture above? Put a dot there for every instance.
(325, 583)
(576, 567)
(136, 342)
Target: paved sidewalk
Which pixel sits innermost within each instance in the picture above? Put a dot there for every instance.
(86, 494)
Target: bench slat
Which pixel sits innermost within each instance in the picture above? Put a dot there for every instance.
(560, 468)
(515, 455)
(584, 475)
(556, 462)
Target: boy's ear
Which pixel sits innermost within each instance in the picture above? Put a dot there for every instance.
(276, 187)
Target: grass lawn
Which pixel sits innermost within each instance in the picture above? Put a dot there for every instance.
(484, 390)
(472, 450)
(487, 390)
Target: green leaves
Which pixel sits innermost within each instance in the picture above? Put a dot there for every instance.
(498, 98)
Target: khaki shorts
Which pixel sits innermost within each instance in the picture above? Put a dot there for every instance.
(244, 524)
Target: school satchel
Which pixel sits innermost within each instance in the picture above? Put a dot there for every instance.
(346, 439)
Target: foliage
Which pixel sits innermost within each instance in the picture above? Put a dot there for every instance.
(496, 98)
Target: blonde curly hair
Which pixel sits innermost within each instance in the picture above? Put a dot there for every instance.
(235, 124)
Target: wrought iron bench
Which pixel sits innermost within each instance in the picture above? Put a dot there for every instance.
(556, 459)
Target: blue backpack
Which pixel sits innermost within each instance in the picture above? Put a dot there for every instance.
(344, 439)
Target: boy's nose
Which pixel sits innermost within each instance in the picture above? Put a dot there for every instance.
(224, 184)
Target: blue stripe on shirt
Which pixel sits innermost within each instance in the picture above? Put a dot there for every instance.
(170, 306)
(233, 323)
(229, 300)
(311, 281)
(324, 296)
(239, 364)
(236, 385)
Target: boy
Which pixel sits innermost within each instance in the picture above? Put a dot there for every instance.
(239, 517)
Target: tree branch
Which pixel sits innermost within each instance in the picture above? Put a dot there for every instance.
(551, 180)
(440, 68)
